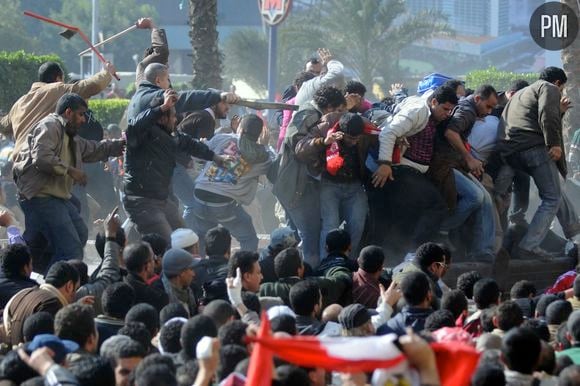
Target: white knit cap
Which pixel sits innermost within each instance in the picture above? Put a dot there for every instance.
(183, 238)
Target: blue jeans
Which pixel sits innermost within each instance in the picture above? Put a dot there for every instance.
(183, 187)
(306, 217)
(343, 201)
(58, 222)
(231, 215)
(473, 200)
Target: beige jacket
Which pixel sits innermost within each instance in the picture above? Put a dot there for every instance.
(41, 101)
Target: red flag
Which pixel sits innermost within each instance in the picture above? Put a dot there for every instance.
(261, 362)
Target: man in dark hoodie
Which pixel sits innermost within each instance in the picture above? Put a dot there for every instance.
(15, 270)
(338, 247)
(212, 271)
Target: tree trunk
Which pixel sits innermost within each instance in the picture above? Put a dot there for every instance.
(207, 64)
(571, 64)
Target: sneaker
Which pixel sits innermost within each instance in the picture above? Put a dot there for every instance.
(535, 254)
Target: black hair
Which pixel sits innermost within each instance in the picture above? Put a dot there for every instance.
(486, 319)
(523, 289)
(156, 360)
(439, 319)
(466, 281)
(569, 376)
(521, 350)
(454, 84)
(14, 369)
(218, 241)
(304, 296)
(117, 299)
(446, 252)
(454, 301)
(170, 335)
(284, 323)
(371, 258)
(508, 315)
(61, 273)
(517, 85)
(172, 310)
(136, 256)
(233, 332)
(552, 74)
(251, 301)
(485, 293)
(131, 349)
(82, 269)
(157, 243)
(13, 259)
(156, 375)
(199, 124)
(38, 323)
(543, 303)
(70, 101)
(485, 91)
(539, 327)
(92, 370)
(444, 94)
(302, 77)
(558, 312)
(251, 126)
(488, 375)
(290, 375)
(186, 373)
(49, 71)
(146, 314)
(244, 260)
(138, 332)
(230, 356)
(415, 287)
(192, 332)
(287, 263)
(355, 87)
(337, 240)
(220, 311)
(75, 322)
(351, 124)
(428, 254)
(576, 287)
(573, 325)
(100, 241)
(328, 97)
(562, 362)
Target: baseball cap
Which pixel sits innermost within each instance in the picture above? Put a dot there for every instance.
(176, 260)
(353, 316)
(60, 347)
(183, 238)
(283, 237)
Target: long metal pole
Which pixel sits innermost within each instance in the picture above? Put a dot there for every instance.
(272, 54)
(94, 35)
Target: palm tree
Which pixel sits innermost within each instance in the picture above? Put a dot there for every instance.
(571, 64)
(207, 64)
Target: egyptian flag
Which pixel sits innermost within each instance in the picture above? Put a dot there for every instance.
(456, 361)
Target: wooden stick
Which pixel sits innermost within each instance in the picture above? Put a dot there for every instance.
(109, 39)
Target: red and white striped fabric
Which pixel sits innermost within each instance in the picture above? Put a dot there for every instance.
(455, 361)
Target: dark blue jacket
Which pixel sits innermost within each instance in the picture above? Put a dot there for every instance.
(408, 317)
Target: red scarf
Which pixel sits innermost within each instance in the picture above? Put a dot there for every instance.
(334, 161)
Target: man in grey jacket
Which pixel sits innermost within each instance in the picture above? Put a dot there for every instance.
(45, 170)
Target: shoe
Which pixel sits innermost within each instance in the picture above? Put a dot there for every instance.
(536, 254)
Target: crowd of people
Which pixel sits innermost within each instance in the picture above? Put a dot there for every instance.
(177, 305)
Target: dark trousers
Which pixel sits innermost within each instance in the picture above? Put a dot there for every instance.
(153, 216)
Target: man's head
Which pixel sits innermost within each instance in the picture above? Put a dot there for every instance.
(508, 315)
(221, 110)
(371, 259)
(199, 124)
(573, 325)
(523, 289)
(146, 314)
(456, 85)
(249, 267)
(170, 335)
(15, 261)
(178, 266)
(124, 354)
(158, 74)
(65, 278)
(251, 127)
(338, 241)
(355, 87)
(159, 245)
(554, 75)
(520, 350)
(576, 287)
(516, 86)
(313, 66)
(233, 332)
(485, 98)
(138, 332)
(302, 77)
(456, 302)
(117, 299)
(218, 242)
(139, 260)
(72, 108)
(430, 257)
(92, 370)
(486, 293)
(186, 239)
(50, 72)
(288, 263)
(172, 310)
(558, 312)
(439, 319)
(38, 323)
(543, 303)
(570, 376)
(306, 298)
(355, 320)
(466, 281)
(442, 102)
(329, 99)
(220, 311)
(76, 322)
(416, 290)
(280, 239)
(192, 332)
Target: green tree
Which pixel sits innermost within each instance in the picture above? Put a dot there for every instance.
(12, 37)
(246, 57)
(207, 64)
